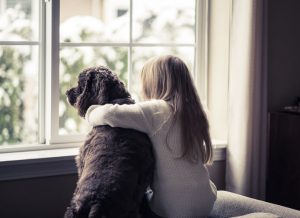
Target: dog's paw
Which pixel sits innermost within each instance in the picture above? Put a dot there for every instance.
(84, 211)
(95, 212)
(69, 213)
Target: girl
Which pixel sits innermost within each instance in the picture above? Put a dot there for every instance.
(177, 125)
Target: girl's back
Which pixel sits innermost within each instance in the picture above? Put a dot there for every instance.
(181, 188)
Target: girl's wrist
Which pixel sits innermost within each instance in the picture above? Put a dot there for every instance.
(87, 114)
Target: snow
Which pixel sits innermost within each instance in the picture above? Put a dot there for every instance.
(72, 29)
(155, 21)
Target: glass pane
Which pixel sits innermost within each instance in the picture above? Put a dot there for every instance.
(141, 54)
(18, 94)
(94, 21)
(19, 20)
(72, 61)
(167, 21)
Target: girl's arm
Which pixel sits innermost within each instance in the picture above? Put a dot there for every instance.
(124, 116)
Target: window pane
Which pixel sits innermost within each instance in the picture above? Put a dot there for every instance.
(19, 20)
(72, 61)
(141, 54)
(167, 21)
(94, 21)
(18, 94)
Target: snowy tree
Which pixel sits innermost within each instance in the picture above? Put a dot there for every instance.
(150, 25)
(153, 22)
(14, 26)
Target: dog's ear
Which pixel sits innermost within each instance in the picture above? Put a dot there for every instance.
(119, 90)
(101, 89)
(84, 100)
(94, 92)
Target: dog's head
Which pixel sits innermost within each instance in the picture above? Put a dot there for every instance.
(97, 85)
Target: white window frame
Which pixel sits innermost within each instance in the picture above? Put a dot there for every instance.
(52, 64)
(49, 92)
(41, 97)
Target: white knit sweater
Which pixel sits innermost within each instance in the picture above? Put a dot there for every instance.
(180, 188)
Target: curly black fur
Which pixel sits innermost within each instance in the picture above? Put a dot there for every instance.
(115, 165)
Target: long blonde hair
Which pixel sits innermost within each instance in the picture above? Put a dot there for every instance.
(168, 78)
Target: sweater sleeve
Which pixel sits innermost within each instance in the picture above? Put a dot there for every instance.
(124, 116)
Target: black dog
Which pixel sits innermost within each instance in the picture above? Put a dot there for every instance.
(115, 165)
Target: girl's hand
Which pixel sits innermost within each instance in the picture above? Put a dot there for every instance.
(96, 114)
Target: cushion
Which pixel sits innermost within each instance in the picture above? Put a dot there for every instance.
(259, 215)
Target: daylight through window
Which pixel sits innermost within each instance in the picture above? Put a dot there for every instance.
(119, 34)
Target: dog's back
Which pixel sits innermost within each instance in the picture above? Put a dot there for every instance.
(115, 166)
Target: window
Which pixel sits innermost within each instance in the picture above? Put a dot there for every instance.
(19, 71)
(40, 61)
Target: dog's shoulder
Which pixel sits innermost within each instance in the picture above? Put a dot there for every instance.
(119, 138)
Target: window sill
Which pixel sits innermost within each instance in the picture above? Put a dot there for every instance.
(32, 164)
(53, 162)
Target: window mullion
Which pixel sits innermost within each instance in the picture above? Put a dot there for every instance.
(52, 71)
(130, 46)
(19, 43)
(201, 48)
(42, 70)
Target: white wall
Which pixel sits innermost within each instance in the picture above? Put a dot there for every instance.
(218, 48)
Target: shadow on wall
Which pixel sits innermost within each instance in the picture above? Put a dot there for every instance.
(46, 197)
